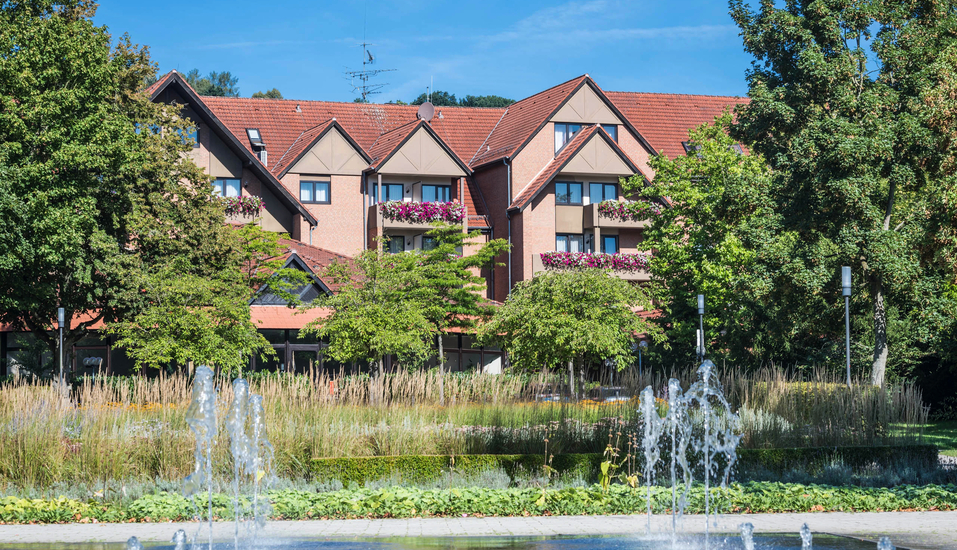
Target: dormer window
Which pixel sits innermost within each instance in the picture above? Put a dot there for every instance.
(564, 132)
(255, 139)
(612, 130)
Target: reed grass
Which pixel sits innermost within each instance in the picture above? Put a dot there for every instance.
(134, 428)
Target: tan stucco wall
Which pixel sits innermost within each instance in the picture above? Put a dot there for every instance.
(331, 155)
(422, 155)
(222, 162)
(569, 219)
(586, 107)
(597, 157)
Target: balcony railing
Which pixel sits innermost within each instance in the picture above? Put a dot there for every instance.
(631, 267)
(623, 214)
(415, 215)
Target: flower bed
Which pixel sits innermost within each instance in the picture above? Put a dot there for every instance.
(423, 212)
(627, 211)
(243, 206)
(573, 260)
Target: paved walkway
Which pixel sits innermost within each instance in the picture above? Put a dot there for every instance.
(917, 530)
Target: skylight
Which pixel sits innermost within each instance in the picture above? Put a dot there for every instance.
(254, 137)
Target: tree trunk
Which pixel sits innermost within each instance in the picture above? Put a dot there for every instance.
(571, 379)
(381, 367)
(880, 335)
(441, 371)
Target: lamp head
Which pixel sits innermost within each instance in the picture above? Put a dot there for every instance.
(846, 280)
(60, 317)
(700, 304)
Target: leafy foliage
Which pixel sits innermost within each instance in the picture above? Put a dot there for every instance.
(445, 99)
(558, 317)
(852, 105)
(721, 218)
(269, 94)
(89, 201)
(222, 84)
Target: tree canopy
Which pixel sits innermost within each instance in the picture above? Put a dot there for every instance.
(216, 84)
(446, 99)
(94, 186)
(269, 94)
(558, 317)
(853, 106)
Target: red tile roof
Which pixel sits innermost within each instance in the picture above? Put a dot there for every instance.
(281, 317)
(318, 259)
(154, 87)
(522, 119)
(305, 140)
(664, 119)
(462, 128)
(387, 143)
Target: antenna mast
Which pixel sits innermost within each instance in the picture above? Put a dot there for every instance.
(360, 79)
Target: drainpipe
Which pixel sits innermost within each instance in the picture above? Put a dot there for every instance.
(311, 227)
(365, 211)
(508, 215)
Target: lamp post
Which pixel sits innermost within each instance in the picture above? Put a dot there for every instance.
(700, 327)
(846, 285)
(60, 321)
(643, 345)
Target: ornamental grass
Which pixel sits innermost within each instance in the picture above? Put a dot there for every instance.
(133, 428)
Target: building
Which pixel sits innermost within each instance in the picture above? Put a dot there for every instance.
(533, 173)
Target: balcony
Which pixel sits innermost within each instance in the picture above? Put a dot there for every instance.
(619, 214)
(242, 210)
(630, 267)
(415, 215)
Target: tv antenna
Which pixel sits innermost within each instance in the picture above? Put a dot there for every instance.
(360, 79)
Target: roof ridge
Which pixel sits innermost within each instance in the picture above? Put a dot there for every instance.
(492, 131)
(552, 88)
(680, 95)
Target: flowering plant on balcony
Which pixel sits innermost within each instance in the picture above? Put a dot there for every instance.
(243, 206)
(574, 260)
(423, 212)
(628, 210)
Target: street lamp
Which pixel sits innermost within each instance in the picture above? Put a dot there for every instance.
(700, 327)
(846, 285)
(643, 345)
(60, 321)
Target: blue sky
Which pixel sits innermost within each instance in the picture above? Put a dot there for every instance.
(509, 48)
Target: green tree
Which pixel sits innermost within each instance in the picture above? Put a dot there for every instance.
(94, 184)
(205, 318)
(439, 99)
(377, 311)
(451, 287)
(708, 240)
(222, 84)
(558, 318)
(269, 94)
(846, 106)
(485, 101)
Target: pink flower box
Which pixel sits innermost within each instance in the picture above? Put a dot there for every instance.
(628, 210)
(578, 260)
(423, 212)
(243, 206)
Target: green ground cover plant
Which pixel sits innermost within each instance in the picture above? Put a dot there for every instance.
(406, 502)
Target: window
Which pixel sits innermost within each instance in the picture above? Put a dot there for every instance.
(612, 130)
(395, 244)
(569, 243)
(436, 193)
(609, 244)
(564, 133)
(598, 192)
(255, 139)
(392, 192)
(315, 192)
(429, 243)
(190, 137)
(568, 193)
(226, 187)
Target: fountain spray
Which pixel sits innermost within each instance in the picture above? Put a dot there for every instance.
(201, 418)
(652, 432)
(806, 537)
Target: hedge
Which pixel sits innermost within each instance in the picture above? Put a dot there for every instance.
(424, 468)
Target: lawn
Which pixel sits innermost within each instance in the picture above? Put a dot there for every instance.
(942, 434)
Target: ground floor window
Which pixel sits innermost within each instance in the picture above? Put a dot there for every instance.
(569, 243)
